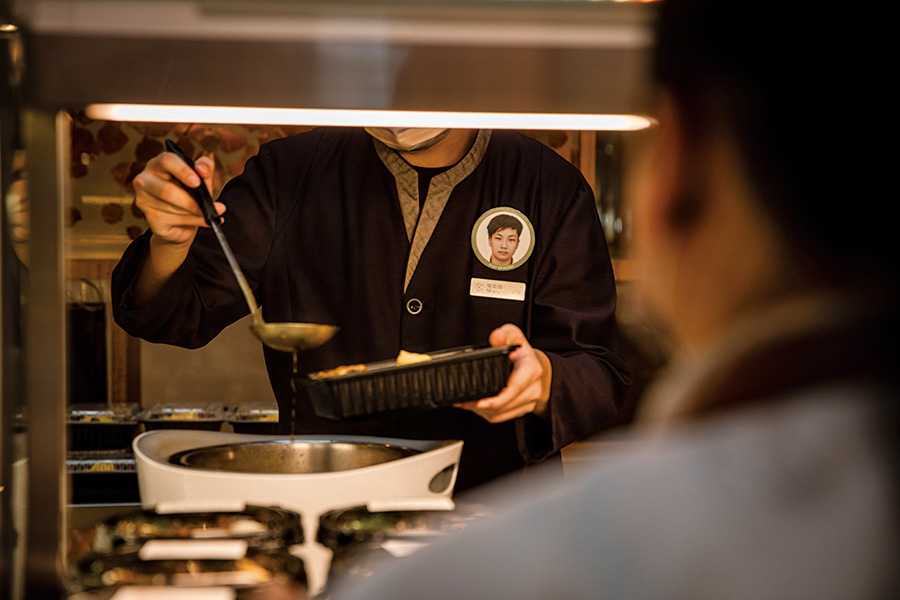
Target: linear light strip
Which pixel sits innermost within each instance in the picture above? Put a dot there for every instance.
(345, 118)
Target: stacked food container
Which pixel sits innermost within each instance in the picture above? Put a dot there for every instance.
(209, 417)
(254, 417)
(363, 541)
(100, 462)
(234, 552)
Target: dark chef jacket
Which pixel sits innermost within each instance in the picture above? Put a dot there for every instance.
(325, 225)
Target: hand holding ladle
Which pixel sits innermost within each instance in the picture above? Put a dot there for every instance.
(287, 337)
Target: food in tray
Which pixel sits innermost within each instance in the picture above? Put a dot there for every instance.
(409, 358)
(184, 526)
(182, 415)
(342, 370)
(345, 531)
(102, 466)
(166, 412)
(263, 527)
(259, 416)
(404, 358)
(241, 572)
(102, 413)
(257, 568)
(255, 417)
(210, 416)
(94, 419)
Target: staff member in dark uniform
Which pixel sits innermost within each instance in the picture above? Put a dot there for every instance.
(379, 233)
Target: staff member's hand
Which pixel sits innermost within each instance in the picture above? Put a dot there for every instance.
(528, 387)
(173, 216)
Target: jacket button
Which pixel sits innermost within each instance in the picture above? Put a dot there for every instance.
(414, 306)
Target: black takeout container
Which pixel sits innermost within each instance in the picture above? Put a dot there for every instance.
(210, 417)
(102, 477)
(342, 529)
(359, 538)
(263, 527)
(450, 377)
(260, 571)
(254, 417)
(261, 566)
(101, 426)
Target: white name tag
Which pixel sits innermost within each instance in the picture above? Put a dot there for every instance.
(491, 288)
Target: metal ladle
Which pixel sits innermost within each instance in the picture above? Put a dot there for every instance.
(287, 337)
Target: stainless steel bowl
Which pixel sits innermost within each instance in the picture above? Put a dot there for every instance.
(283, 456)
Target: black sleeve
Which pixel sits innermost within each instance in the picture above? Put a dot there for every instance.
(574, 323)
(203, 297)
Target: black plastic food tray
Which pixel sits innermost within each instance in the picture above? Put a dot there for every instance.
(124, 533)
(254, 417)
(451, 376)
(257, 427)
(101, 436)
(101, 427)
(257, 573)
(210, 417)
(102, 477)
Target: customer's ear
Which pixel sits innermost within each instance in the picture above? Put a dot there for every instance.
(682, 164)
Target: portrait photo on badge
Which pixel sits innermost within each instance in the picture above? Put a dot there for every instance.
(503, 238)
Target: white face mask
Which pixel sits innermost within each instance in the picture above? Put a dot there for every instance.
(407, 139)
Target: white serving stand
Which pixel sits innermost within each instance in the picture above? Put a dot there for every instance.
(402, 484)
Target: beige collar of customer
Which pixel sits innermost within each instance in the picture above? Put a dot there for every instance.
(686, 386)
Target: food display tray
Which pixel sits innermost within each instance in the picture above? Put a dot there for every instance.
(359, 539)
(254, 417)
(208, 417)
(260, 526)
(260, 573)
(246, 548)
(449, 377)
(343, 529)
(101, 426)
(102, 477)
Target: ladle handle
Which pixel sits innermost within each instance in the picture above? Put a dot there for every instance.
(214, 219)
(199, 193)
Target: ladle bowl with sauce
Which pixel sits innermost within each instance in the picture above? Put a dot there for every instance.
(290, 337)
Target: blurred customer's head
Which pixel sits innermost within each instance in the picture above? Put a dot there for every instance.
(770, 171)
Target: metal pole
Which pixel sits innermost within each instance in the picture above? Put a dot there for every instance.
(47, 140)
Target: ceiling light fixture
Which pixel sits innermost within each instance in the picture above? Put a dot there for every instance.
(385, 118)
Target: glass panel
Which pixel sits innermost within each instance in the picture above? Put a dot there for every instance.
(13, 261)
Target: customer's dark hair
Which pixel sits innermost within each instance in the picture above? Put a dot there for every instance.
(804, 88)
